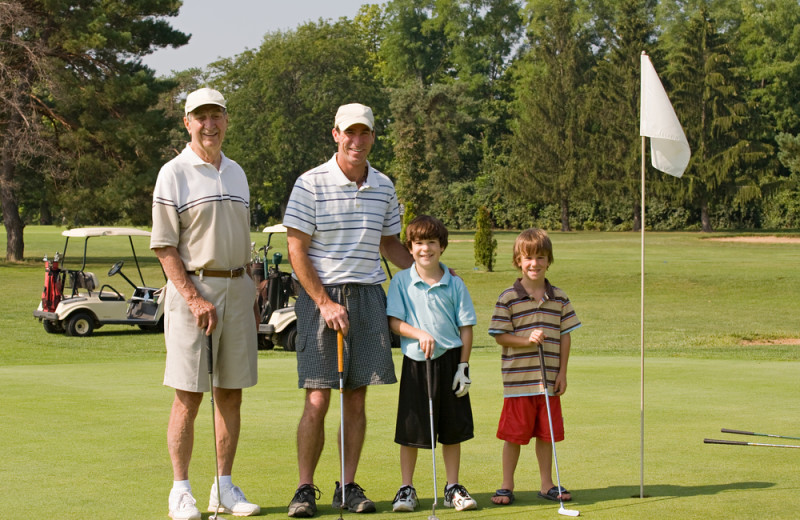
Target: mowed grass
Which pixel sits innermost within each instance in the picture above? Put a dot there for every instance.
(83, 420)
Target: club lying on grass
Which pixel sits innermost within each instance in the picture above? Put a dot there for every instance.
(742, 432)
(742, 443)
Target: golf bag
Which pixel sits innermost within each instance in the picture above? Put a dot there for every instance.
(53, 290)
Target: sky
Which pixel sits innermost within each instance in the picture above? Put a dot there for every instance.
(227, 28)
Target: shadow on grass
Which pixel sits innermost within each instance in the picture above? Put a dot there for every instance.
(605, 496)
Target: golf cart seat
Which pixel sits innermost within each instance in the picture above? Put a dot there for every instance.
(83, 280)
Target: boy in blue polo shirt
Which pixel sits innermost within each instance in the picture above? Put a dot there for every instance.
(432, 312)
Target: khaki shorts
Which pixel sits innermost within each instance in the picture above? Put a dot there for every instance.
(234, 340)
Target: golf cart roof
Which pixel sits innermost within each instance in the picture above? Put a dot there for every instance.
(104, 232)
(277, 228)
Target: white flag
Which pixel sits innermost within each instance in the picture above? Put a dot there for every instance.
(669, 149)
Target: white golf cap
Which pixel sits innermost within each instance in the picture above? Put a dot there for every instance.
(353, 114)
(203, 96)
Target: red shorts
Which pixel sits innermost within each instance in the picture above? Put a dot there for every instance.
(525, 417)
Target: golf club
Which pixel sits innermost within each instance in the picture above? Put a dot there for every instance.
(740, 432)
(340, 361)
(433, 436)
(742, 443)
(561, 510)
(210, 355)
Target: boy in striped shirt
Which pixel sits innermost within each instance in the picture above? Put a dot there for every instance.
(527, 314)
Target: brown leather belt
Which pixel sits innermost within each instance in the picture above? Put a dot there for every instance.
(218, 273)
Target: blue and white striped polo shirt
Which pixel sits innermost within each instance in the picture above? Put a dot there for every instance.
(345, 222)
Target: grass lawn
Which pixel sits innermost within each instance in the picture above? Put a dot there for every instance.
(83, 422)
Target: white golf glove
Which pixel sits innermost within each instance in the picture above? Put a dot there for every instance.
(462, 381)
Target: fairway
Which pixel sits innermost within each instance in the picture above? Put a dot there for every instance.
(83, 422)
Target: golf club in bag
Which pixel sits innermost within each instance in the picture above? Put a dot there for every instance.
(561, 510)
(433, 435)
(210, 355)
(340, 362)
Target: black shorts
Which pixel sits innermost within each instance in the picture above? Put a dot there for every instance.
(452, 416)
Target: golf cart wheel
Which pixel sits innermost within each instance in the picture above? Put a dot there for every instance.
(264, 343)
(154, 327)
(288, 339)
(80, 324)
(53, 327)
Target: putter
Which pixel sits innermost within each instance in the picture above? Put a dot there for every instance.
(561, 510)
(210, 353)
(742, 443)
(433, 436)
(340, 361)
(740, 432)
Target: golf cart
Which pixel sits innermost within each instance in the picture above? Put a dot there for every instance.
(278, 324)
(74, 301)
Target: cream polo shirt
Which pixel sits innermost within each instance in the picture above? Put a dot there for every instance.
(202, 212)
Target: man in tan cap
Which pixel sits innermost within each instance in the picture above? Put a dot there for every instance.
(340, 216)
(201, 235)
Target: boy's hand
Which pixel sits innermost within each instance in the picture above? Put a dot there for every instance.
(560, 385)
(462, 381)
(537, 337)
(426, 343)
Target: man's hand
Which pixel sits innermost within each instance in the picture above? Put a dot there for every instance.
(204, 312)
(335, 316)
(462, 381)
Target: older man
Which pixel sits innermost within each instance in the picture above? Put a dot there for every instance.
(340, 216)
(201, 235)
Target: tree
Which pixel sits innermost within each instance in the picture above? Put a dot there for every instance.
(701, 69)
(283, 98)
(549, 134)
(485, 243)
(615, 93)
(73, 89)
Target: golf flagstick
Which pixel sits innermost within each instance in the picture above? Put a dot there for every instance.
(433, 435)
(210, 355)
(340, 362)
(561, 510)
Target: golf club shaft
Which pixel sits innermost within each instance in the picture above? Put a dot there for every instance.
(340, 363)
(741, 432)
(429, 378)
(742, 443)
(210, 356)
(550, 421)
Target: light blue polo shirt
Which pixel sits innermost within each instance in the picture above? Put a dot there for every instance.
(439, 310)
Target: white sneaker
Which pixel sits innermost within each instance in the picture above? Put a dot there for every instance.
(405, 500)
(233, 502)
(458, 497)
(182, 506)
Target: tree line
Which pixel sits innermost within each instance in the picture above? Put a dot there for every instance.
(520, 112)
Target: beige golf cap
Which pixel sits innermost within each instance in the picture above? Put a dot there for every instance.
(203, 96)
(353, 114)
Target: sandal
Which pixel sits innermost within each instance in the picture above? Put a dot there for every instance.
(504, 494)
(552, 494)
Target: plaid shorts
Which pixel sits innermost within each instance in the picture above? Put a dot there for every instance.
(367, 346)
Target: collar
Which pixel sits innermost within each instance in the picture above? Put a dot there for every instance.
(549, 293)
(372, 180)
(415, 277)
(196, 160)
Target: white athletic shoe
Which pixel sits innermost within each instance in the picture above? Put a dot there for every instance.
(458, 497)
(182, 506)
(405, 500)
(233, 502)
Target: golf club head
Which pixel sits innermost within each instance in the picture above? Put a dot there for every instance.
(433, 517)
(568, 512)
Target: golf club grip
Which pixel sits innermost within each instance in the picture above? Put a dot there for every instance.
(340, 350)
(740, 432)
(429, 377)
(719, 441)
(210, 354)
(543, 368)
